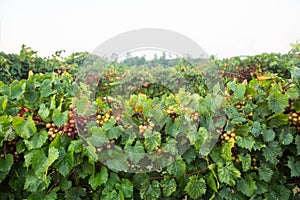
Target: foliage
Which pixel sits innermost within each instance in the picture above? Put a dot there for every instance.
(251, 153)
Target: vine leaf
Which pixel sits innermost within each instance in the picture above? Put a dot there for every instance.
(294, 167)
(24, 128)
(272, 151)
(98, 179)
(177, 168)
(152, 140)
(245, 158)
(125, 188)
(297, 142)
(269, 135)
(247, 185)
(150, 190)
(247, 142)
(37, 140)
(60, 118)
(195, 187)
(228, 173)
(211, 182)
(265, 172)
(285, 137)
(44, 112)
(168, 186)
(5, 165)
(226, 149)
(277, 101)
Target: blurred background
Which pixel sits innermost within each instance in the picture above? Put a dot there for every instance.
(222, 28)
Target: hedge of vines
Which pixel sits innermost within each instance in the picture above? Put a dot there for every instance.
(257, 145)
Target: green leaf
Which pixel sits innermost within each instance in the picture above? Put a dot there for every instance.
(256, 129)
(265, 172)
(278, 101)
(152, 140)
(279, 191)
(239, 91)
(268, 135)
(117, 161)
(190, 155)
(75, 193)
(278, 120)
(211, 182)
(242, 130)
(226, 149)
(297, 142)
(135, 153)
(34, 183)
(24, 128)
(109, 194)
(294, 167)
(17, 89)
(43, 112)
(5, 166)
(60, 118)
(246, 142)
(65, 185)
(6, 163)
(126, 188)
(46, 89)
(245, 158)
(195, 187)
(168, 186)
(37, 140)
(272, 151)
(228, 173)
(177, 168)
(230, 194)
(285, 137)
(247, 186)
(84, 107)
(3, 103)
(98, 179)
(149, 190)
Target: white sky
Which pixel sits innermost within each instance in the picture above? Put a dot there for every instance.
(221, 27)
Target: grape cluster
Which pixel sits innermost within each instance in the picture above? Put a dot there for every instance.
(143, 128)
(240, 106)
(253, 164)
(194, 116)
(103, 118)
(23, 111)
(225, 137)
(171, 111)
(69, 127)
(53, 130)
(235, 158)
(294, 118)
(10, 147)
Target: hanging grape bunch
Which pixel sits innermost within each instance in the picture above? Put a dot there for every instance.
(53, 130)
(171, 111)
(254, 164)
(68, 128)
(295, 120)
(102, 118)
(10, 147)
(194, 116)
(144, 128)
(240, 106)
(226, 136)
